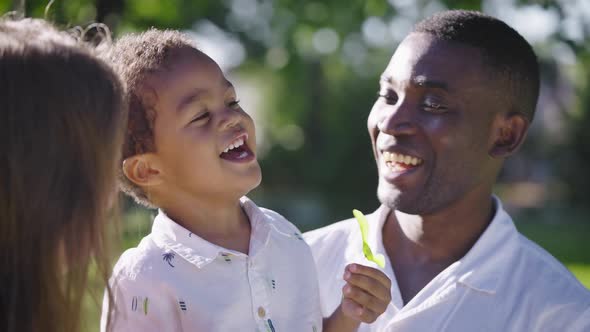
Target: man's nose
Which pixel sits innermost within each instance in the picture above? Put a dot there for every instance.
(398, 119)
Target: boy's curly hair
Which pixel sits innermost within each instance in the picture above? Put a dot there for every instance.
(135, 57)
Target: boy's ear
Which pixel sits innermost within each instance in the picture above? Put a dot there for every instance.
(143, 170)
(508, 135)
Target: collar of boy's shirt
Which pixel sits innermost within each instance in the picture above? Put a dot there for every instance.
(481, 269)
(201, 252)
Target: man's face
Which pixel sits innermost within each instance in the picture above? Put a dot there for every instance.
(431, 126)
(198, 119)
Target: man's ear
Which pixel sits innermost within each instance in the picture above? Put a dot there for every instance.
(508, 134)
(143, 170)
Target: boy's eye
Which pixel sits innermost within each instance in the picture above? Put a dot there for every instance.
(200, 117)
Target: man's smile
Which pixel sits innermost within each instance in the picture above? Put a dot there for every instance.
(400, 168)
(400, 162)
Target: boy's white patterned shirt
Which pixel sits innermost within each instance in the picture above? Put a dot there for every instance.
(177, 281)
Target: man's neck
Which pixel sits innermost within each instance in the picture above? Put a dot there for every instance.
(420, 247)
(220, 221)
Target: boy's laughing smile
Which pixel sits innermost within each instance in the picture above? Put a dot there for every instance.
(238, 150)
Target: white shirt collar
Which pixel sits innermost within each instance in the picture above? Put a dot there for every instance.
(496, 247)
(201, 252)
(498, 242)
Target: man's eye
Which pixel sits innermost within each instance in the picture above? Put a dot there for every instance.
(434, 107)
(201, 117)
(390, 97)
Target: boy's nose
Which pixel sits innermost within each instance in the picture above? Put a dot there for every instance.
(229, 118)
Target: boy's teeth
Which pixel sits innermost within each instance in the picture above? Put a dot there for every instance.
(391, 157)
(234, 144)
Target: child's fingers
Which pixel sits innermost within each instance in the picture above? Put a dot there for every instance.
(370, 285)
(357, 312)
(369, 272)
(364, 299)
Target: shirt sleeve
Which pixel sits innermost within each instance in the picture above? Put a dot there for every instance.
(139, 305)
(582, 323)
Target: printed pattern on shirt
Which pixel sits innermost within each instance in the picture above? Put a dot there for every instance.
(272, 283)
(182, 304)
(145, 305)
(226, 257)
(134, 303)
(168, 257)
(269, 326)
(140, 304)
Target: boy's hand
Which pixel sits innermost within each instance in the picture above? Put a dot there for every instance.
(365, 297)
(367, 293)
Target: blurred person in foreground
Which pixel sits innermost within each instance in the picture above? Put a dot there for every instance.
(454, 102)
(61, 123)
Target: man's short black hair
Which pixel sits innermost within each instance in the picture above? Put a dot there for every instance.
(509, 55)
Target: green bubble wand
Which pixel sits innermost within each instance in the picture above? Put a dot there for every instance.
(377, 258)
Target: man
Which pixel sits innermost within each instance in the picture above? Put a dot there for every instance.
(455, 100)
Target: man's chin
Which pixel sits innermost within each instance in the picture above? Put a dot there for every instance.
(404, 202)
(389, 197)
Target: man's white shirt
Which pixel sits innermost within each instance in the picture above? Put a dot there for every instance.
(504, 283)
(177, 281)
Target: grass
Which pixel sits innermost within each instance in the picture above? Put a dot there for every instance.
(582, 272)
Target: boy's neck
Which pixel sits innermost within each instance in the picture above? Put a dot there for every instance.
(222, 223)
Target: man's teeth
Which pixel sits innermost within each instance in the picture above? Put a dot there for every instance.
(237, 143)
(401, 159)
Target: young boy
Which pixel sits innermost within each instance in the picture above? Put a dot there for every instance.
(214, 261)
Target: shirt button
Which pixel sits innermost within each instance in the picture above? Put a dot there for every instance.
(261, 312)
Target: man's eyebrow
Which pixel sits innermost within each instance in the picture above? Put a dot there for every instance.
(189, 99)
(422, 81)
(386, 79)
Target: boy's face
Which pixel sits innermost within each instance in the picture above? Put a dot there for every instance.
(205, 143)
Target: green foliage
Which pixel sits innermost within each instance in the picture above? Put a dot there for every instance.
(316, 102)
(316, 178)
(5, 6)
(327, 94)
(573, 157)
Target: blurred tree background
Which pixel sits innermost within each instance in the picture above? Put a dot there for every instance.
(307, 71)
